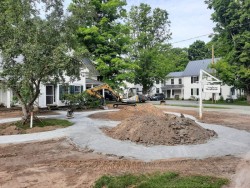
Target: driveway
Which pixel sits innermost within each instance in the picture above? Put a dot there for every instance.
(86, 133)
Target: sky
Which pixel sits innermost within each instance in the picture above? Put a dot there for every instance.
(189, 19)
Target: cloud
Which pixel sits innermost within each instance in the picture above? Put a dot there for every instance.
(189, 18)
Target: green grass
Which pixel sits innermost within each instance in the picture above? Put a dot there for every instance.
(235, 102)
(195, 106)
(44, 123)
(159, 180)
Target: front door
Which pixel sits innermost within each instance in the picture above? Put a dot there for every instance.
(168, 94)
(49, 94)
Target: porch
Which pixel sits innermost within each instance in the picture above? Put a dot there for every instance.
(173, 91)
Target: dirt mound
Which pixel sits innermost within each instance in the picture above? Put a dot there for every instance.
(150, 126)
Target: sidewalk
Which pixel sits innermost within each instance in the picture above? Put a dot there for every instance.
(86, 133)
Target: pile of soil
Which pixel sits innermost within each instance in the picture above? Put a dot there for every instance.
(150, 126)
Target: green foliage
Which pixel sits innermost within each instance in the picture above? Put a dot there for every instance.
(44, 123)
(221, 98)
(198, 50)
(81, 101)
(176, 58)
(105, 38)
(159, 180)
(34, 49)
(149, 31)
(233, 41)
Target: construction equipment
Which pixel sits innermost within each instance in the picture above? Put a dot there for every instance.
(132, 95)
(95, 91)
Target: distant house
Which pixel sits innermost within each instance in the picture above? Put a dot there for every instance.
(185, 85)
(52, 94)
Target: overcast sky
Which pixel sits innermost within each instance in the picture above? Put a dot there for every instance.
(189, 18)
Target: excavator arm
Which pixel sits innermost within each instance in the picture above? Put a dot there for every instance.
(94, 91)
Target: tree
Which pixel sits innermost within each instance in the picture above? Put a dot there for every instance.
(149, 32)
(178, 58)
(34, 48)
(106, 38)
(198, 50)
(233, 36)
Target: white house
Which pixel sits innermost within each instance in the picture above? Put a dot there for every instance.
(52, 94)
(185, 85)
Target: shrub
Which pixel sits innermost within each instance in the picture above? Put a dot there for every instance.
(221, 98)
(242, 98)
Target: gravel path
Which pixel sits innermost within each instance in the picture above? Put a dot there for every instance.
(86, 133)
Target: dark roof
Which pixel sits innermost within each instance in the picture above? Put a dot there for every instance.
(175, 74)
(92, 81)
(90, 65)
(193, 67)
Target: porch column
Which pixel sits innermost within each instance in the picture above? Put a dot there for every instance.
(8, 98)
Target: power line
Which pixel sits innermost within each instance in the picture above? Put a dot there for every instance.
(192, 38)
(239, 25)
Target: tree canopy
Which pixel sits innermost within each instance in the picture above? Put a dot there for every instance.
(149, 31)
(198, 50)
(34, 48)
(105, 38)
(233, 39)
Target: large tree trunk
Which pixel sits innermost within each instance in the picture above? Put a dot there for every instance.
(26, 109)
(248, 97)
(248, 93)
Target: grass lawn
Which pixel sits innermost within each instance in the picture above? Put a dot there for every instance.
(44, 123)
(235, 102)
(160, 180)
(196, 106)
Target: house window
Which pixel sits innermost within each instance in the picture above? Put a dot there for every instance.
(180, 81)
(62, 91)
(197, 91)
(172, 92)
(232, 91)
(194, 79)
(172, 81)
(77, 89)
(157, 90)
(157, 81)
(192, 92)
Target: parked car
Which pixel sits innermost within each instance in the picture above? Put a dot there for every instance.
(157, 97)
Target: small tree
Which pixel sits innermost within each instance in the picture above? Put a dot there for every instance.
(34, 49)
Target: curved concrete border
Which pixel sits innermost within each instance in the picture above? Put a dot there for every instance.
(86, 133)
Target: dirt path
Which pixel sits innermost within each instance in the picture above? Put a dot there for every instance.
(58, 163)
(241, 178)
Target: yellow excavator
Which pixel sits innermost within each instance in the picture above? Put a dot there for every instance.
(95, 92)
